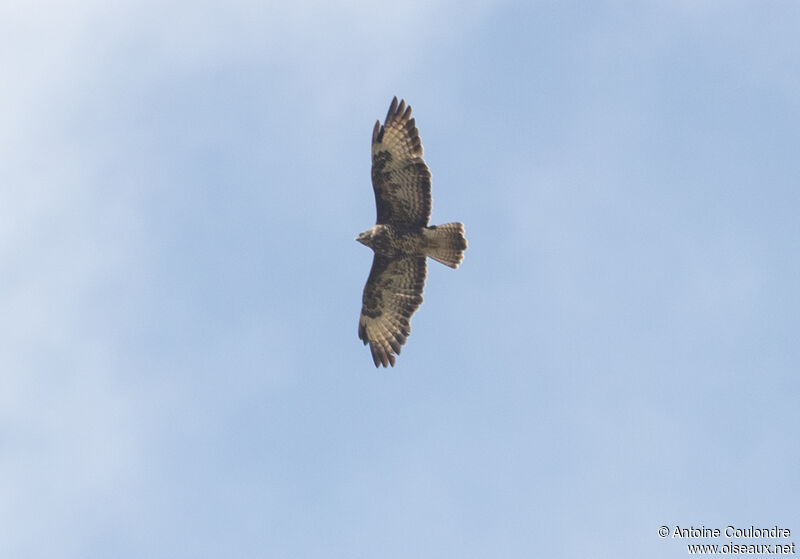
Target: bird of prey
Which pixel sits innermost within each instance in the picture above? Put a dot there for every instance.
(401, 238)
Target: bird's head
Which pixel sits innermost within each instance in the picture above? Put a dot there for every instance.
(365, 238)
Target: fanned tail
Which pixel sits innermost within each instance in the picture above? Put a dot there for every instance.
(446, 243)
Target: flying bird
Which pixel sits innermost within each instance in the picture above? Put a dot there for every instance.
(401, 238)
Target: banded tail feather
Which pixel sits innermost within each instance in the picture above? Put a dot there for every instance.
(446, 243)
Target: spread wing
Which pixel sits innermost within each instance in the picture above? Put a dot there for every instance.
(392, 293)
(400, 177)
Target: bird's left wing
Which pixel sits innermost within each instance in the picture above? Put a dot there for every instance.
(400, 178)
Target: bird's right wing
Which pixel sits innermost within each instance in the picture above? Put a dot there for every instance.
(392, 293)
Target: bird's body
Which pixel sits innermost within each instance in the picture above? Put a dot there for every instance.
(394, 242)
(401, 238)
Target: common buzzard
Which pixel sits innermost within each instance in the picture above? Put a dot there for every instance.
(401, 238)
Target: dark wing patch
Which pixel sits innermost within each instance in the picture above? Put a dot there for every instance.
(392, 293)
(400, 177)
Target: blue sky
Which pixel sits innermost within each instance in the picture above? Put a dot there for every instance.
(180, 187)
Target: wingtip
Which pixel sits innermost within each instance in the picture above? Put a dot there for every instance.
(376, 131)
(381, 357)
(392, 108)
(398, 111)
